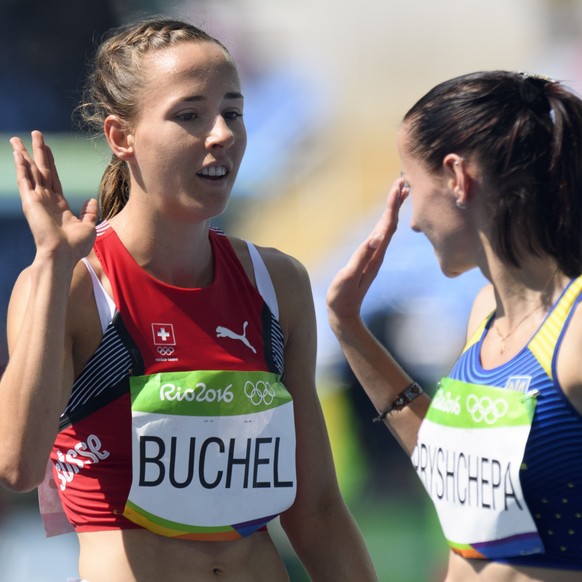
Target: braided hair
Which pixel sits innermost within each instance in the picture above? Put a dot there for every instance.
(114, 87)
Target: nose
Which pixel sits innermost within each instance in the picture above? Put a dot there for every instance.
(220, 134)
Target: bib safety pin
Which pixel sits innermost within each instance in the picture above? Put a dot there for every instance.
(531, 394)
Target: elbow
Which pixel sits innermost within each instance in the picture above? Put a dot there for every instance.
(19, 478)
(19, 483)
(22, 467)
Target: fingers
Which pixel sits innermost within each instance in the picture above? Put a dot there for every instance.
(55, 180)
(89, 212)
(349, 287)
(17, 144)
(22, 162)
(359, 262)
(39, 152)
(45, 162)
(365, 262)
(26, 173)
(43, 168)
(37, 170)
(386, 226)
(374, 248)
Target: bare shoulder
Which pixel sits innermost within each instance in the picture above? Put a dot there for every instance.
(284, 269)
(283, 266)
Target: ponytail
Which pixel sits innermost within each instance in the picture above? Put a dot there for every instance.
(114, 188)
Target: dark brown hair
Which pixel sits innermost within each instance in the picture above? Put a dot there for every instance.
(526, 133)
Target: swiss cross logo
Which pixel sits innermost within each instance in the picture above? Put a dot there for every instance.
(163, 334)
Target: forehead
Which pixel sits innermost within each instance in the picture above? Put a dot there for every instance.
(411, 165)
(402, 144)
(204, 63)
(402, 136)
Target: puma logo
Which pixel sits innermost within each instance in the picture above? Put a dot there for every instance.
(225, 332)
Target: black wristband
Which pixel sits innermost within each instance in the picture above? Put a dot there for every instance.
(403, 399)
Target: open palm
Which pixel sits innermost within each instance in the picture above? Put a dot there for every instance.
(54, 227)
(349, 287)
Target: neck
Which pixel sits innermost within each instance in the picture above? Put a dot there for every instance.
(523, 298)
(179, 254)
(517, 291)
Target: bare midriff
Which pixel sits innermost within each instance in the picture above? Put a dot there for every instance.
(141, 556)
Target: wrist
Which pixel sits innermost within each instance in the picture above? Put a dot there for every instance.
(345, 325)
(52, 266)
(58, 259)
(403, 399)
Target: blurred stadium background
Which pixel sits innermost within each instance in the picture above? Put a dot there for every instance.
(326, 83)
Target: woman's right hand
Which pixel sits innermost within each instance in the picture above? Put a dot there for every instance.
(45, 317)
(350, 285)
(54, 227)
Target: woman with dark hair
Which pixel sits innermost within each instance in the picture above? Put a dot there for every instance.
(166, 369)
(492, 163)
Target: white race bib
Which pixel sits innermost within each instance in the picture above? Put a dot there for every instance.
(213, 453)
(469, 452)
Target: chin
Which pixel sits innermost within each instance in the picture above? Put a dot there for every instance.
(450, 271)
(453, 264)
(453, 272)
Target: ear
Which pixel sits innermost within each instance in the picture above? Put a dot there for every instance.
(458, 179)
(119, 137)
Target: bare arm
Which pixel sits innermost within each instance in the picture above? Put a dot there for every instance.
(39, 374)
(319, 525)
(379, 374)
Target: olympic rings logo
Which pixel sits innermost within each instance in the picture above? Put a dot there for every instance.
(165, 351)
(259, 393)
(485, 409)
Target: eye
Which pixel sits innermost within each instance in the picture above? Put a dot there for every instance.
(232, 115)
(186, 115)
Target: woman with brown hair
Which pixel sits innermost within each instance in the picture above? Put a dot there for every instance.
(492, 164)
(165, 368)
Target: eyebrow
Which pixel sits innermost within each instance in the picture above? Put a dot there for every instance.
(229, 95)
(234, 95)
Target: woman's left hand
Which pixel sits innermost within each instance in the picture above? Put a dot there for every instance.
(350, 285)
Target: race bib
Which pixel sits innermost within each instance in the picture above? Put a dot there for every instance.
(469, 452)
(213, 453)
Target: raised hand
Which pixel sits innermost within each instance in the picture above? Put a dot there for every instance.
(350, 285)
(54, 227)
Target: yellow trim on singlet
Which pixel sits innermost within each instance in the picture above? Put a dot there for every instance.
(544, 341)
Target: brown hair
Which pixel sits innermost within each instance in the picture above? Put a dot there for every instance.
(526, 133)
(114, 86)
